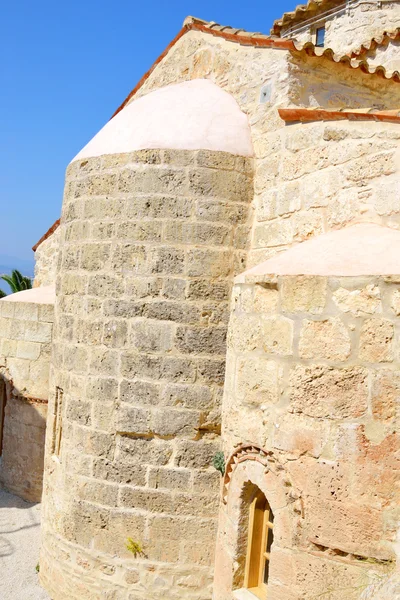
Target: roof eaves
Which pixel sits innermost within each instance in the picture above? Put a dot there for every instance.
(299, 12)
(353, 63)
(48, 233)
(376, 42)
(308, 115)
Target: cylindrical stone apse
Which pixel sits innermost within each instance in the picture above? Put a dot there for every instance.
(154, 227)
(311, 423)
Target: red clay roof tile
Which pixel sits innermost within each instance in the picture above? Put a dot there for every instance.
(307, 115)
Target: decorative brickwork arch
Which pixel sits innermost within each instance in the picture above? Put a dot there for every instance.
(251, 469)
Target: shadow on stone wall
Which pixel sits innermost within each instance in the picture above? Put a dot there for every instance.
(22, 437)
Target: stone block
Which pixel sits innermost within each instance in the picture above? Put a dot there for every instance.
(151, 336)
(172, 479)
(299, 435)
(148, 451)
(212, 263)
(221, 184)
(361, 170)
(133, 420)
(155, 207)
(176, 369)
(345, 526)
(94, 257)
(217, 211)
(148, 231)
(169, 422)
(197, 397)
(28, 350)
(153, 501)
(194, 234)
(26, 311)
(328, 339)
(325, 392)
(120, 471)
(210, 371)
(201, 340)
(166, 261)
(195, 454)
(174, 288)
(365, 300)
(104, 361)
(140, 392)
(115, 334)
(278, 233)
(376, 341)
(206, 289)
(277, 335)
(101, 389)
(98, 492)
(257, 381)
(307, 224)
(385, 394)
(303, 293)
(181, 312)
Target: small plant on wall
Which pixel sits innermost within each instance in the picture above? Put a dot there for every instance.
(134, 548)
(219, 462)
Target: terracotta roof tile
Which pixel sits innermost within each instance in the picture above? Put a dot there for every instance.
(354, 63)
(377, 41)
(303, 11)
(247, 38)
(307, 115)
(48, 233)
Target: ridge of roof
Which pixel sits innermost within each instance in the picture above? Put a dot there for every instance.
(382, 40)
(307, 115)
(300, 11)
(48, 233)
(260, 40)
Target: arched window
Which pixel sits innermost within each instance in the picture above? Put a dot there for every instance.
(260, 539)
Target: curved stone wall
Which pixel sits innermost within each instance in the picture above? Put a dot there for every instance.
(150, 242)
(26, 321)
(311, 417)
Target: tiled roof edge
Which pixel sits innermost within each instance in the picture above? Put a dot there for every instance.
(48, 233)
(346, 60)
(300, 11)
(308, 115)
(228, 33)
(381, 40)
(259, 40)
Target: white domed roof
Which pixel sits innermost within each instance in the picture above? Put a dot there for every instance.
(195, 115)
(362, 249)
(39, 295)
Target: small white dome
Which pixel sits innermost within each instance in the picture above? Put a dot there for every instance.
(362, 249)
(195, 115)
(39, 295)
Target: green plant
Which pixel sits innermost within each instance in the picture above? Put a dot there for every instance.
(219, 462)
(17, 282)
(134, 547)
(37, 568)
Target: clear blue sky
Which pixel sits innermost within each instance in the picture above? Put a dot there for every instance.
(65, 68)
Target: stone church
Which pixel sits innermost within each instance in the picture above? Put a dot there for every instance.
(205, 380)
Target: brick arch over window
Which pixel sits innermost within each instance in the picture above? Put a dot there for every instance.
(250, 470)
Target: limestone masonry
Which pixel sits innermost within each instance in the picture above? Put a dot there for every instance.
(215, 326)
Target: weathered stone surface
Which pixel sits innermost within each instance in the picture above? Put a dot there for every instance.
(376, 341)
(365, 300)
(326, 392)
(303, 294)
(327, 339)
